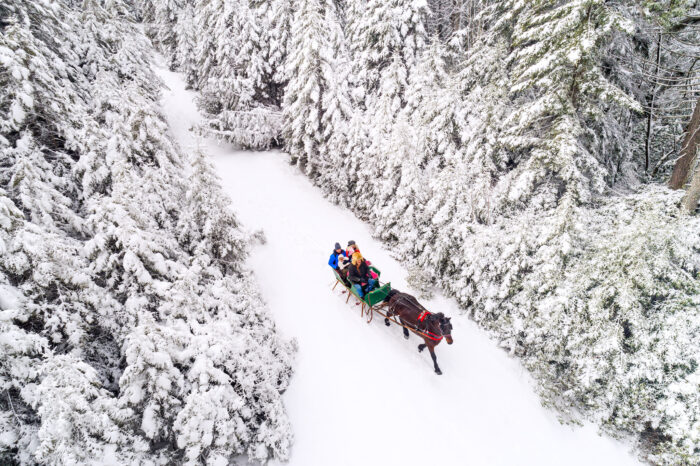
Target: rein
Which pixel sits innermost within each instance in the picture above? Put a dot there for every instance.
(433, 336)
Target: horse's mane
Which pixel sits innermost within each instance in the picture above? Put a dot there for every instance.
(411, 299)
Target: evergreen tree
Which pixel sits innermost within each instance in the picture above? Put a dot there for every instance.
(381, 117)
(225, 312)
(187, 40)
(21, 350)
(383, 33)
(166, 17)
(80, 420)
(557, 52)
(206, 229)
(312, 95)
(336, 103)
(275, 17)
(236, 79)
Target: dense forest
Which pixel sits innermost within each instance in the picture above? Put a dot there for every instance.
(130, 329)
(515, 153)
(535, 159)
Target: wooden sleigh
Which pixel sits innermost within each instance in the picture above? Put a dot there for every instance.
(372, 301)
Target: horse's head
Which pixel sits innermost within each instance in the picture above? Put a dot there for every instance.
(446, 327)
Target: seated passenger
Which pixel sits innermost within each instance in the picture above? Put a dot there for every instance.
(333, 260)
(352, 249)
(343, 264)
(359, 275)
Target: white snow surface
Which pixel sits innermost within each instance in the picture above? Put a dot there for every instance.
(361, 394)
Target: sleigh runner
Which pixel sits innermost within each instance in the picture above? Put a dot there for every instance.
(373, 300)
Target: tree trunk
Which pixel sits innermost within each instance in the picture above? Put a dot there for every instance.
(690, 201)
(650, 118)
(688, 151)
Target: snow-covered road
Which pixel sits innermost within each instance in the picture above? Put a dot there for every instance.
(361, 394)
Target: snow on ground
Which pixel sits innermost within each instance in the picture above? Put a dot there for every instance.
(361, 394)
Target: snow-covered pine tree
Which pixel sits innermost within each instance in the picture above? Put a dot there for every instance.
(352, 164)
(40, 143)
(336, 105)
(145, 11)
(21, 350)
(379, 33)
(275, 18)
(230, 407)
(152, 384)
(242, 73)
(81, 420)
(237, 80)
(463, 143)
(187, 38)
(556, 57)
(166, 18)
(385, 39)
(38, 177)
(457, 22)
(206, 13)
(313, 94)
(206, 228)
(127, 248)
(374, 168)
(434, 118)
(660, 71)
(400, 193)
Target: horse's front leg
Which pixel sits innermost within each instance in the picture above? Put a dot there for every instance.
(421, 347)
(432, 355)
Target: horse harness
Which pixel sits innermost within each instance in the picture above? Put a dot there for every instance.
(422, 318)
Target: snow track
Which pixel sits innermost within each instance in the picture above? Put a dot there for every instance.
(361, 394)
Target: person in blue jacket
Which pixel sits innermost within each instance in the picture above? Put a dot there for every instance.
(333, 260)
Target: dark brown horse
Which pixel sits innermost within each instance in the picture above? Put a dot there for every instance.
(431, 327)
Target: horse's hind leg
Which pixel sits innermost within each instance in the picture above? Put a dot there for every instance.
(432, 355)
(421, 347)
(405, 330)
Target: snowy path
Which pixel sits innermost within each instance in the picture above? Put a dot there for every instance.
(361, 394)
